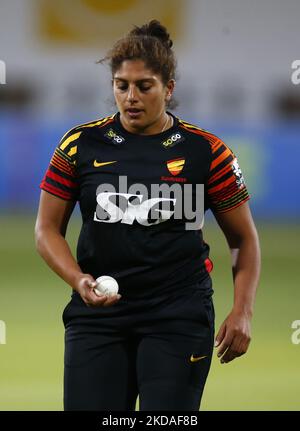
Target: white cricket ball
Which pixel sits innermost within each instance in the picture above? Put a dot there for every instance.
(106, 285)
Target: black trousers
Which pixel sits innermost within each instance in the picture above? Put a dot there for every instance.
(159, 350)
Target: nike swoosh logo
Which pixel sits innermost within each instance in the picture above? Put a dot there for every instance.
(97, 165)
(197, 358)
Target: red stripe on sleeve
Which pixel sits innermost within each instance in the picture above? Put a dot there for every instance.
(56, 191)
(61, 180)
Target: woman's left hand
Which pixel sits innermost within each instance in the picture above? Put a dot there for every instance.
(233, 338)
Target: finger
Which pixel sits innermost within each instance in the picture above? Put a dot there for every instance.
(97, 300)
(244, 344)
(230, 354)
(112, 300)
(224, 347)
(92, 284)
(238, 348)
(233, 349)
(96, 295)
(220, 336)
(226, 343)
(106, 300)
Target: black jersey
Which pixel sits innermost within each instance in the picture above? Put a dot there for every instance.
(111, 173)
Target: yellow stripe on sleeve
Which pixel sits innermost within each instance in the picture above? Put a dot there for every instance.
(69, 140)
(72, 151)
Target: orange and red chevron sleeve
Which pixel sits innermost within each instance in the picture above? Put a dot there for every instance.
(226, 187)
(60, 178)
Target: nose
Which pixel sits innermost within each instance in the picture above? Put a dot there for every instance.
(131, 95)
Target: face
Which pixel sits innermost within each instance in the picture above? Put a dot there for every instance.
(141, 97)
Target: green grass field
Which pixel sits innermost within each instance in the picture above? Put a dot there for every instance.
(32, 299)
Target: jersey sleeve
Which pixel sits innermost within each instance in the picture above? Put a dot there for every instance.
(226, 188)
(61, 178)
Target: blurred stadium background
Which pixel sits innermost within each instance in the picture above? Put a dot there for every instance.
(235, 72)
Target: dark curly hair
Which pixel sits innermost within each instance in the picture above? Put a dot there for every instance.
(150, 43)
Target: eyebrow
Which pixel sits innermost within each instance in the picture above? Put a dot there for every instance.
(137, 81)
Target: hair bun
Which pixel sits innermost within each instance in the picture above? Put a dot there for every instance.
(156, 29)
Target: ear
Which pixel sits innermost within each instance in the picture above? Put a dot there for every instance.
(169, 89)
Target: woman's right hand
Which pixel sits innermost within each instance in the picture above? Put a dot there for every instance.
(85, 287)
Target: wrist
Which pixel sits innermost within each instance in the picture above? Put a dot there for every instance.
(246, 311)
(75, 278)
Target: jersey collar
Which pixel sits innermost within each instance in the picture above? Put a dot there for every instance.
(167, 132)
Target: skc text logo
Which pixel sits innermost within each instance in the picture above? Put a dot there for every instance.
(148, 207)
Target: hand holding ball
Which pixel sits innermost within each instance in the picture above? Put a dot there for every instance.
(106, 285)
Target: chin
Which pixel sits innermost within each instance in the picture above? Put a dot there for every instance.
(136, 122)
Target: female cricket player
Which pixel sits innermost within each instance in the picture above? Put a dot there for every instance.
(138, 176)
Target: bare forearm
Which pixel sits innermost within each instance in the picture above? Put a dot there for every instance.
(246, 271)
(55, 250)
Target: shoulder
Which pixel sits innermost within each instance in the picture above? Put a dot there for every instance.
(68, 143)
(204, 135)
(77, 131)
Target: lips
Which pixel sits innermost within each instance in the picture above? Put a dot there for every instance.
(133, 112)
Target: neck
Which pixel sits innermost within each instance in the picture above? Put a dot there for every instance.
(166, 123)
(163, 124)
